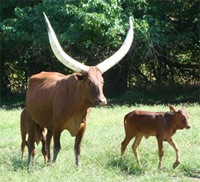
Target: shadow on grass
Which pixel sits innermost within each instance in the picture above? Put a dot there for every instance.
(18, 165)
(125, 166)
(192, 174)
(186, 174)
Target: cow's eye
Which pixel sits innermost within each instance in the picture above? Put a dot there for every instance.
(89, 83)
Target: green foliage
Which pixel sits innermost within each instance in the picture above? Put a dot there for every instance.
(100, 151)
(165, 49)
(169, 36)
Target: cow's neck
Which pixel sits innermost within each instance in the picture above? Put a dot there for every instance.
(82, 103)
(79, 113)
(171, 125)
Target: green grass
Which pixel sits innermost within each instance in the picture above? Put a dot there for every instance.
(100, 155)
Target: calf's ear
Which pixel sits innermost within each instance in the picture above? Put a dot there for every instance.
(184, 106)
(172, 110)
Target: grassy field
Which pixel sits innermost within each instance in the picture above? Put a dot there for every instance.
(100, 155)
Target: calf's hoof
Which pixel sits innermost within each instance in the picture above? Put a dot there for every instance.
(176, 164)
(159, 166)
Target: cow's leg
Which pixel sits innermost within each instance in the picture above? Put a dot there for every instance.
(160, 150)
(57, 146)
(23, 144)
(48, 144)
(31, 149)
(78, 139)
(173, 144)
(44, 151)
(135, 148)
(125, 143)
(31, 141)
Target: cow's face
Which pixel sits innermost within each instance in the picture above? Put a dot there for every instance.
(181, 117)
(92, 88)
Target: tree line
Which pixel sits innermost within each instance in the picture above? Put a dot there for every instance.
(165, 49)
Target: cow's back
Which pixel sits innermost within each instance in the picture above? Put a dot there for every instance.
(40, 97)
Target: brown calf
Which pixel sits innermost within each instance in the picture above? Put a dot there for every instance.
(163, 125)
(40, 135)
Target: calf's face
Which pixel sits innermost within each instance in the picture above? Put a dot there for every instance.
(181, 117)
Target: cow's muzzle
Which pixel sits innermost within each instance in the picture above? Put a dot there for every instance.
(100, 102)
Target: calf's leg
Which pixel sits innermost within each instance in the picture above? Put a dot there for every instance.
(78, 139)
(160, 150)
(23, 144)
(173, 144)
(125, 143)
(31, 141)
(135, 148)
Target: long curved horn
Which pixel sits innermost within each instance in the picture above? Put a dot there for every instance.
(60, 54)
(115, 58)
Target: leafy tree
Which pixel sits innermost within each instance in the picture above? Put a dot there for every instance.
(165, 49)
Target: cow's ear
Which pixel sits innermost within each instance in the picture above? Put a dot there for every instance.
(79, 77)
(172, 110)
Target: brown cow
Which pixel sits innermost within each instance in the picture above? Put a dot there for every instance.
(58, 102)
(163, 125)
(40, 135)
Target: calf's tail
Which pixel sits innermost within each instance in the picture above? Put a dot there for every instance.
(125, 120)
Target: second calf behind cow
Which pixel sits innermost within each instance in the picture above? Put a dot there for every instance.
(40, 135)
(163, 125)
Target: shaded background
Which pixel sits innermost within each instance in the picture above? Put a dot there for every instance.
(163, 62)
